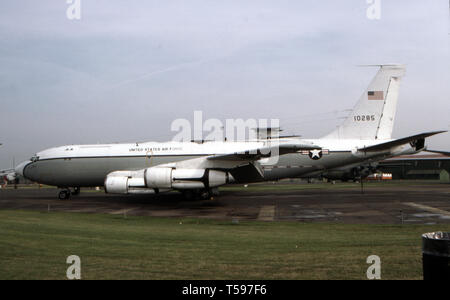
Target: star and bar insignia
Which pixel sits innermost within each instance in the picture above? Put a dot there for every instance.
(315, 154)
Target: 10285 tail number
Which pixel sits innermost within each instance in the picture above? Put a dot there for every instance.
(364, 118)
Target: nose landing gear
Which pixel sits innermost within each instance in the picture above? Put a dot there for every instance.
(65, 193)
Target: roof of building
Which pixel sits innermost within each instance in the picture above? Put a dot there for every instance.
(420, 156)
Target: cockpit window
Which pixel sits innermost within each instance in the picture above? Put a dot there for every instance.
(34, 158)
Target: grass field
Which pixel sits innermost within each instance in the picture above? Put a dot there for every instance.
(35, 245)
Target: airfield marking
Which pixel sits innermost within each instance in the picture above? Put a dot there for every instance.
(123, 211)
(428, 208)
(267, 213)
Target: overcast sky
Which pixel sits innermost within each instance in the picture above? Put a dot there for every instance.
(127, 69)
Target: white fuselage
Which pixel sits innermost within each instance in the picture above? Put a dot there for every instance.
(88, 165)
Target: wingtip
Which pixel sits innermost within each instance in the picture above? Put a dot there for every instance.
(439, 131)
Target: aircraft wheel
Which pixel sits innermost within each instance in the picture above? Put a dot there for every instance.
(205, 194)
(76, 191)
(64, 194)
(215, 192)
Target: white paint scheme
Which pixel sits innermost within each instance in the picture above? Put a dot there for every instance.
(154, 167)
(9, 174)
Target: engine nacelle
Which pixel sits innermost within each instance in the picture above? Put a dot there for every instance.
(116, 184)
(154, 180)
(158, 178)
(11, 176)
(126, 182)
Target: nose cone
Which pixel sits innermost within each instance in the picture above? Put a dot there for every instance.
(19, 169)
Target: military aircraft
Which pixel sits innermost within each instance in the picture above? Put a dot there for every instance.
(197, 168)
(8, 175)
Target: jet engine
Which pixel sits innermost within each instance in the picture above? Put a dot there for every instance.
(126, 182)
(184, 178)
(154, 180)
(11, 177)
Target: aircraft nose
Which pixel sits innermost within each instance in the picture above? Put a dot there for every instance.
(20, 167)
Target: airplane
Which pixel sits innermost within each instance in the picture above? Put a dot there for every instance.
(197, 169)
(8, 175)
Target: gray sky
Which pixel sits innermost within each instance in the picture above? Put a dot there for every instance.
(127, 69)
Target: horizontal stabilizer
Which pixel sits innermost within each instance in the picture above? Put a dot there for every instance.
(399, 142)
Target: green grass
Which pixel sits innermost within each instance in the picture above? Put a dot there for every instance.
(35, 245)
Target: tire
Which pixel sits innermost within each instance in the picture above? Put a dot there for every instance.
(63, 195)
(215, 192)
(205, 194)
(76, 191)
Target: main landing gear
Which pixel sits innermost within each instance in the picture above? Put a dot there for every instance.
(65, 193)
(203, 194)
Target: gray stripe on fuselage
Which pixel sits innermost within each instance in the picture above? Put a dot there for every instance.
(297, 164)
(90, 171)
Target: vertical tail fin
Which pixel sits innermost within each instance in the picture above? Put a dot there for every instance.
(373, 116)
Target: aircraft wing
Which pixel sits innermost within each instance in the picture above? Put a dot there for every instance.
(257, 154)
(244, 165)
(399, 142)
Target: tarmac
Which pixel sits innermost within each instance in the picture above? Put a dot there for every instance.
(421, 203)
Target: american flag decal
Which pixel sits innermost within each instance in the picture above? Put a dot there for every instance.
(375, 95)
